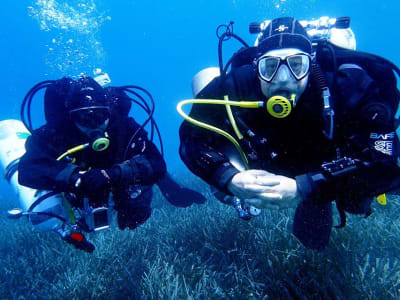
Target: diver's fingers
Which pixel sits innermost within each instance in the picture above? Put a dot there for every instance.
(256, 188)
(270, 197)
(258, 173)
(267, 180)
(265, 200)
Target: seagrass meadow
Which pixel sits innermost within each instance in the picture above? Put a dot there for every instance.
(206, 252)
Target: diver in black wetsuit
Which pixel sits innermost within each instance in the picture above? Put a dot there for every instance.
(116, 155)
(324, 130)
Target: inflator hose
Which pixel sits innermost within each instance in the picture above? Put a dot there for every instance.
(242, 104)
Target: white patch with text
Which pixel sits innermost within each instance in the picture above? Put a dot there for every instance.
(384, 142)
(386, 147)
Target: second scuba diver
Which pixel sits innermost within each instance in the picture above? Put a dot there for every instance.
(107, 152)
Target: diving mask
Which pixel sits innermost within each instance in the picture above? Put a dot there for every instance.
(90, 117)
(298, 65)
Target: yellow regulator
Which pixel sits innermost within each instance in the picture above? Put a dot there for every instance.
(279, 106)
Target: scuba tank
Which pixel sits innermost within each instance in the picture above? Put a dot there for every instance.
(42, 206)
(46, 210)
(334, 30)
(203, 78)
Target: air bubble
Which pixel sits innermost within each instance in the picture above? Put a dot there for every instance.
(74, 22)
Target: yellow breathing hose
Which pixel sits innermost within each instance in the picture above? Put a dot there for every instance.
(69, 209)
(73, 150)
(232, 119)
(227, 103)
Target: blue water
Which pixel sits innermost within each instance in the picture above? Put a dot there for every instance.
(159, 45)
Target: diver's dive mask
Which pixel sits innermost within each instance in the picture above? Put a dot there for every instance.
(90, 117)
(298, 64)
(93, 122)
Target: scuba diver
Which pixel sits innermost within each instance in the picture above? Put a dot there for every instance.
(298, 122)
(88, 149)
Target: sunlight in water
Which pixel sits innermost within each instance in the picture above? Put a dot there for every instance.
(74, 26)
(281, 7)
(291, 7)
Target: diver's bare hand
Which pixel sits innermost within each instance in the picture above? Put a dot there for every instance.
(254, 184)
(281, 195)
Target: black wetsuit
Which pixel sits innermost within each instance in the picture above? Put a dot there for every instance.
(296, 147)
(142, 167)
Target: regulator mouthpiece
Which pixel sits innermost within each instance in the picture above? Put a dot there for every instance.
(100, 144)
(279, 106)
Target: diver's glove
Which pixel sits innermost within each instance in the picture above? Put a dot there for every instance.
(96, 179)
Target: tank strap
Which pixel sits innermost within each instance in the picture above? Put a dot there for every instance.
(41, 199)
(11, 169)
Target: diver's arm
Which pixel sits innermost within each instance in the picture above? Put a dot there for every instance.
(364, 179)
(207, 163)
(145, 165)
(204, 151)
(38, 168)
(204, 160)
(201, 149)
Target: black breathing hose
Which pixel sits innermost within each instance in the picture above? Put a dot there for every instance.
(27, 101)
(130, 89)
